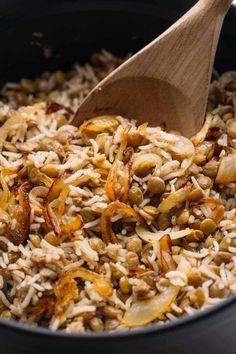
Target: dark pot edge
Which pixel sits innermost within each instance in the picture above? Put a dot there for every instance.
(154, 329)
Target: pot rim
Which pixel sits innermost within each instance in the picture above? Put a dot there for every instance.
(200, 315)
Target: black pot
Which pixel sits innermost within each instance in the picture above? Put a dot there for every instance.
(74, 30)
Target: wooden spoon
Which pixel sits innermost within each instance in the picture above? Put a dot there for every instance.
(168, 80)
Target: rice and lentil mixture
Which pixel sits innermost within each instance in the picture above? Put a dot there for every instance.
(112, 225)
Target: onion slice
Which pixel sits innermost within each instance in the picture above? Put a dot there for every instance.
(66, 291)
(174, 199)
(53, 107)
(165, 254)
(227, 170)
(144, 162)
(66, 288)
(148, 236)
(6, 192)
(111, 182)
(100, 124)
(7, 127)
(116, 207)
(217, 208)
(143, 312)
(53, 193)
(123, 143)
(201, 135)
(22, 215)
(146, 311)
(117, 188)
(59, 190)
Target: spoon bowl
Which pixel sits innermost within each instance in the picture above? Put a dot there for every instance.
(142, 99)
(167, 82)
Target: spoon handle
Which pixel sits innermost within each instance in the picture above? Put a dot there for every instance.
(168, 78)
(221, 5)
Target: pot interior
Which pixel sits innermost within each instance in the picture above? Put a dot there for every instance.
(41, 35)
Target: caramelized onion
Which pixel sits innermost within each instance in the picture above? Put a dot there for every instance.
(148, 236)
(53, 107)
(182, 149)
(111, 182)
(227, 170)
(36, 176)
(174, 199)
(117, 187)
(53, 193)
(59, 190)
(73, 224)
(127, 182)
(201, 135)
(6, 192)
(35, 194)
(116, 207)
(22, 215)
(143, 163)
(44, 305)
(100, 124)
(143, 312)
(204, 152)
(66, 289)
(8, 126)
(123, 143)
(165, 258)
(217, 208)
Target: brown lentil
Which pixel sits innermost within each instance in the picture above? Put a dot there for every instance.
(110, 312)
(225, 243)
(60, 77)
(27, 86)
(217, 290)
(135, 195)
(198, 297)
(156, 185)
(125, 287)
(116, 273)
(195, 278)
(183, 217)
(52, 239)
(204, 182)
(208, 226)
(195, 195)
(195, 236)
(97, 245)
(222, 257)
(96, 324)
(87, 214)
(111, 324)
(134, 244)
(132, 260)
(35, 239)
(135, 139)
(163, 221)
(211, 168)
(141, 289)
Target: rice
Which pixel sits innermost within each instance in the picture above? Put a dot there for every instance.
(67, 260)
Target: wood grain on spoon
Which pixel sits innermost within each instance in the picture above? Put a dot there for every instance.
(167, 81)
